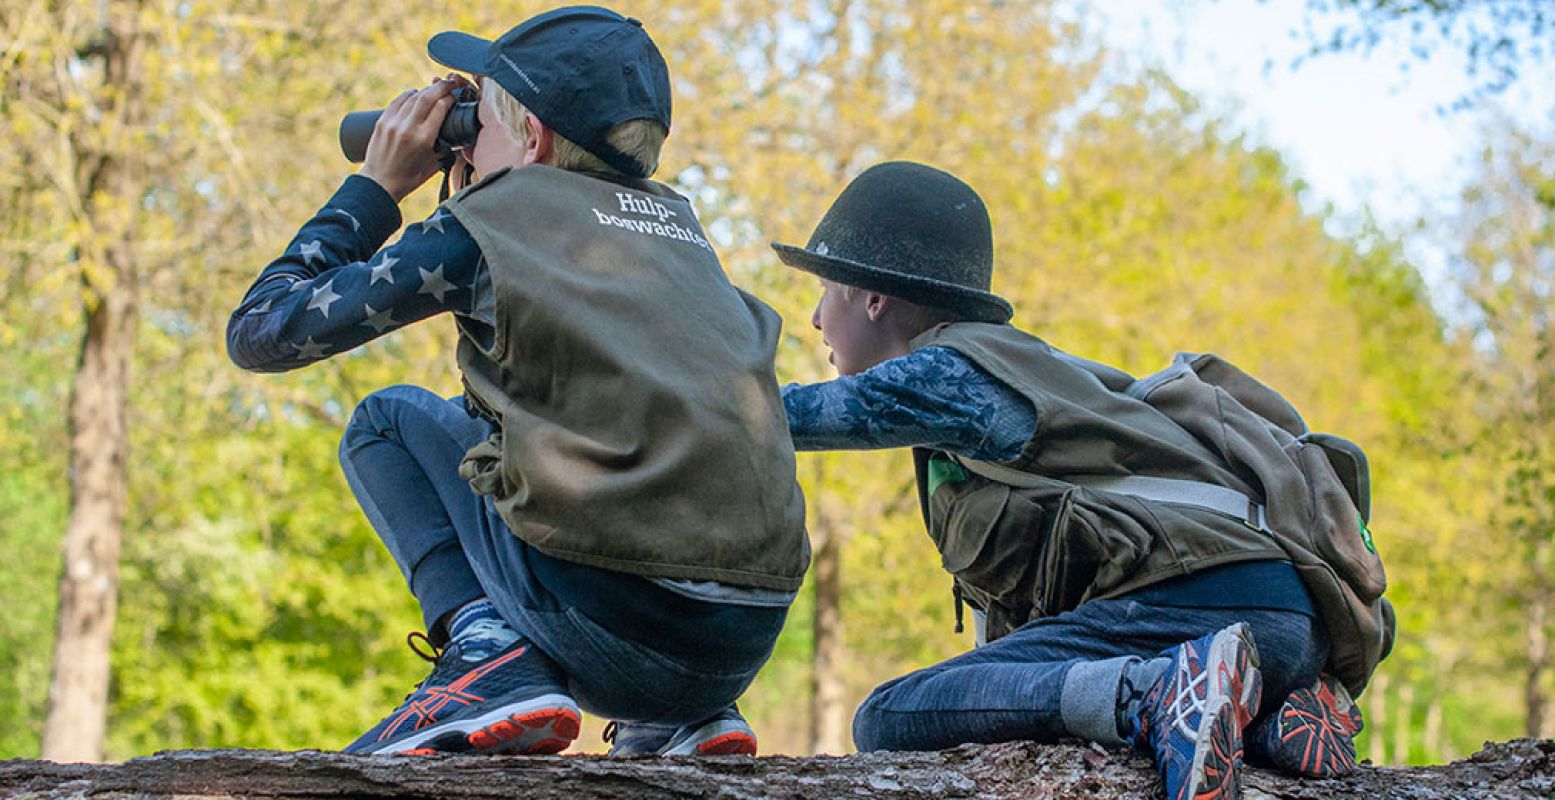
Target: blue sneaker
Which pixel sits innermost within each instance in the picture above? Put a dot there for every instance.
(1313, 732)
(510, 700)
(632, 739)
(1193, 717)
(726, 734)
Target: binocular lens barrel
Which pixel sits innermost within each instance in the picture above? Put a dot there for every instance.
(356, 129)
(459, 129)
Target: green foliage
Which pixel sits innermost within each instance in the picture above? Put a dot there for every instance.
(32, 516)
(253, 623)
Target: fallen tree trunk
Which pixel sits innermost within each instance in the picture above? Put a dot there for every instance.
(1524, 768)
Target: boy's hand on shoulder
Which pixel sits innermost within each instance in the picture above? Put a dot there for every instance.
(400, 155)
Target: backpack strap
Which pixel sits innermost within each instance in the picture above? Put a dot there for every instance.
(1169, 491)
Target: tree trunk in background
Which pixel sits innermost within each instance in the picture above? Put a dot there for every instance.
(1433, 730)
(1376, 719)
(105, 199)
(1402, 714)
(1537, 617)
(828, 714)
(88, 584)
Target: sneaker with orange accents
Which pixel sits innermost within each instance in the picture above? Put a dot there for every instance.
(1313, 732)
(727, 734)
(511, 700)
(1194, 715)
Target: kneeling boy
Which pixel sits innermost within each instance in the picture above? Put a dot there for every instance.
(1111, 618)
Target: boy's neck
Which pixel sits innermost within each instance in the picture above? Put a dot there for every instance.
(895, 343)
(913, 334)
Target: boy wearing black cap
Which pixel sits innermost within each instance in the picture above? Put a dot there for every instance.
(1100, 614)
(635, 533)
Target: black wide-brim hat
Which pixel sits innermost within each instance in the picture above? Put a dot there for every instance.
(908, 231)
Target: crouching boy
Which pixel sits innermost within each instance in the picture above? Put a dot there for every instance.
(635, 533)
(1122, 567)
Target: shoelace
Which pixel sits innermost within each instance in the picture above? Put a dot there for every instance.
(610, 732)
(413, 639)
(1187, 701)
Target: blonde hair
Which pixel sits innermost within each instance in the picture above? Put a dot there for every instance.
(912, 318)
(639, 138)
(916, 319)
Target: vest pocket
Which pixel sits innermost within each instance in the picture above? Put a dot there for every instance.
(1024, 553)
(1092, 548)
(963, 518)
(990, 538)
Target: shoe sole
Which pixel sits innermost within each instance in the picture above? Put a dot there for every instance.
(540, 726)
(1316, 738)
(729, 744)
(721, 738)
(543, 732)
(1232, 701)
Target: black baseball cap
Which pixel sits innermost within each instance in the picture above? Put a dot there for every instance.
(581, 69)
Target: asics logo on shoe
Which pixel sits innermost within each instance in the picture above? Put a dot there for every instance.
(425, 710)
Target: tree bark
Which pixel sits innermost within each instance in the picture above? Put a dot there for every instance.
(1512, 771)
(104, 192)
(828, 711)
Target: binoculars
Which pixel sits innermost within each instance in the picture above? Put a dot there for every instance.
(459, 128)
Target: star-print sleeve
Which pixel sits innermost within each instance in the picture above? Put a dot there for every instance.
(933, 397)
(332, 289)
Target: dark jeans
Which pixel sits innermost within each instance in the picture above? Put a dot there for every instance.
(632, 650)
(1011, 689)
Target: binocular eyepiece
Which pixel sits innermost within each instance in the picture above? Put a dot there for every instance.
(459, 128)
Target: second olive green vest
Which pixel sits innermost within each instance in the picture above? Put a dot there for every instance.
(1021, 553)
(1129, 482)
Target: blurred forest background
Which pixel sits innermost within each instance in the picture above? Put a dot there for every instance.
(157, 154)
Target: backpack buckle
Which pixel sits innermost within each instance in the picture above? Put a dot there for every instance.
(1256, 519)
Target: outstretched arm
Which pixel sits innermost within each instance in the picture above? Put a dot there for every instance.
(934, 397)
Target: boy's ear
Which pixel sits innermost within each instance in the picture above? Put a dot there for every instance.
(875, 305)
(542, 140)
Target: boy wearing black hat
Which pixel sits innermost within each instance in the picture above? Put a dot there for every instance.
(1107, 617)
(635, 533)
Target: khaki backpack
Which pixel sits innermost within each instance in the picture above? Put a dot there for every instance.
(1317, 498)
(1316, 491)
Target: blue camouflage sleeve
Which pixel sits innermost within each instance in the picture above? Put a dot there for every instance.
(933, 397)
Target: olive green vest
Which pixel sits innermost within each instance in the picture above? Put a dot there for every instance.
(1021, 553)
(640, 425)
